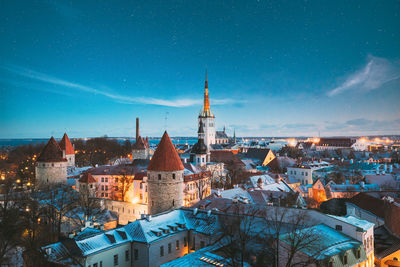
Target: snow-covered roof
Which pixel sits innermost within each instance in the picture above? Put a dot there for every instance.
(269, 183)
(328, 242)
(365, 225)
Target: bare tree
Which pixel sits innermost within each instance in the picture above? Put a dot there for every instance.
(122, 185)
(239, 231)
(10, 224)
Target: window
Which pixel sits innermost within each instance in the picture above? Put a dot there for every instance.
(185, 242)
(102, 179)
(338, 227)
(202, 244)
(106, 180)
(102, 194)
(173, 202)
(177, 244)
(101, 263)
(173, 176)
(358, 253)
(126, 255)
(116, 180)
(306, 173)
(330, 263)
(169, 247)
(116, 188)
(136, 254)
(95, 265)
(106, 187)
(302, 173)
(102, 187)
(141, 196)
(141, 186)
(159, 176)
(145, 188)
(106, 194)
(115, 259)
(161, 251)
(345, 259)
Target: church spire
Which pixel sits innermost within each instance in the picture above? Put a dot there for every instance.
(206, 107)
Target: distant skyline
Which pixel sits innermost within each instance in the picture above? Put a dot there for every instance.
(275, 68)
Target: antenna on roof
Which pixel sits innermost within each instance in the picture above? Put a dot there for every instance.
(166, 120)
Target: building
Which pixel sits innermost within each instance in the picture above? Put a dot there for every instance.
(263, 155)
(68, 150)
(330, 248)
(221, 137)
(165, 178)
(199, 154)
(51, 165)
(303, 173)
(141, 148)
(158, 239)
(207, 119)
(334, 143)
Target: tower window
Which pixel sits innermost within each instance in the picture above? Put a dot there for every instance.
(159, 176)
(173, 176)
(173, 202)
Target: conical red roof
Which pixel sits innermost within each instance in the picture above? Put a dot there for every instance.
(66, 145)
(165, 157)
(51, 152)
(87, 178)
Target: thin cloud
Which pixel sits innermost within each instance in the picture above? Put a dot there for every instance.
(372, 76)
(45, 78)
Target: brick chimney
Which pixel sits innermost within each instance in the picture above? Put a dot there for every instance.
(137, 129)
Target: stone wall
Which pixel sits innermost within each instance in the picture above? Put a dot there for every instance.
(48, 173)
(164, 191)
(71, 160)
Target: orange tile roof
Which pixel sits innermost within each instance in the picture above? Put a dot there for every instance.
(51, 152)
(87, 178)
(66, 145)
(165, 158)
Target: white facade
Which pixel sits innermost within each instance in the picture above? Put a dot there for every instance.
(209, 130)
(302, 175)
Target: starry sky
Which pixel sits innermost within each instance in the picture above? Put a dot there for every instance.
(275, 68)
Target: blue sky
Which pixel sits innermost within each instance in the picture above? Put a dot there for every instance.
(275, 68)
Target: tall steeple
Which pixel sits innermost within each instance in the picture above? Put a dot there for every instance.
(206, 107)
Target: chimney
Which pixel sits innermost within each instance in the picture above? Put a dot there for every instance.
(137, 129)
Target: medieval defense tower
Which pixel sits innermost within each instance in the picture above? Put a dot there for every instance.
(165, 178)
(51, 165)
(207, 119)
(68, 150)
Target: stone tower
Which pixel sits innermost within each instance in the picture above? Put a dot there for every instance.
(68, 150)
(165, 178)
(199, 154)
(207, 119)
(51, 165)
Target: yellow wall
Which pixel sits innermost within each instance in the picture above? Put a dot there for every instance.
(383, 262)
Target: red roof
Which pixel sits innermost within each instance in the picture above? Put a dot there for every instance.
(227, 157)
(140, 144)
(87, 178)
(66, 145)
(51, 152)
(165, 157)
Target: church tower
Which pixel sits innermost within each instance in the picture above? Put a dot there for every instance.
(199, 154)
(207, 119)
(165, 178)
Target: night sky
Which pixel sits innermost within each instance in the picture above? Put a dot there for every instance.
(275, 68)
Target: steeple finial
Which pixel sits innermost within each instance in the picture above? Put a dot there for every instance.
(206, 107)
